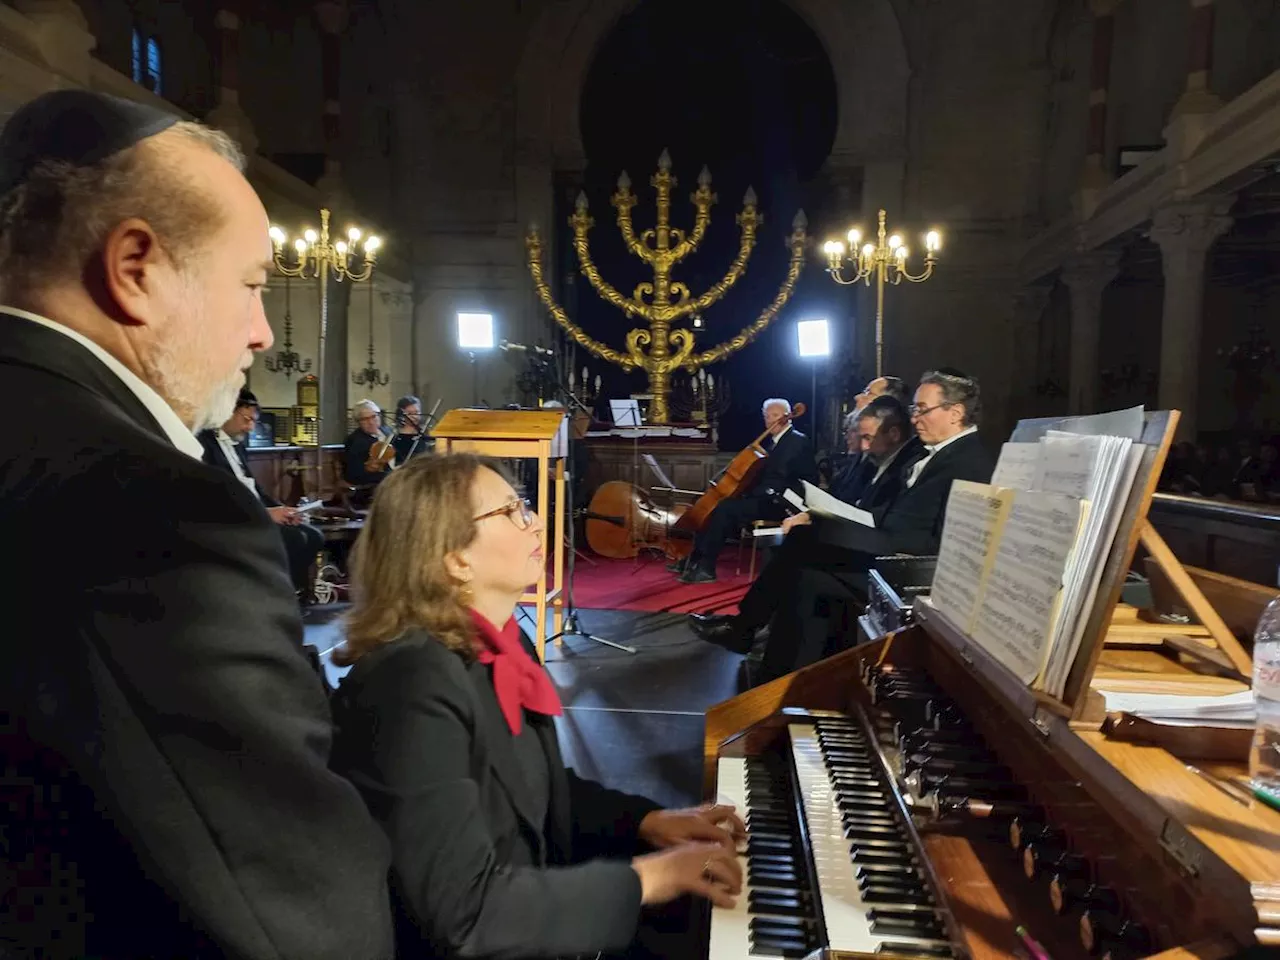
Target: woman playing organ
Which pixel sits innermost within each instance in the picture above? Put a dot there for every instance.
(445, 725)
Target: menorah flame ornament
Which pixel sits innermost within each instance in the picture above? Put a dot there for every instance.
(663, 301)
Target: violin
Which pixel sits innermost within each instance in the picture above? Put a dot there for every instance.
(382, 456)
(736, 479)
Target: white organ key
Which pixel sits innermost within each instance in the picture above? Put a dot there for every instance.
(843, 910)
(729, 927)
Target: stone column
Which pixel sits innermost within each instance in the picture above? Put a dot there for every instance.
(1086, 277)
(228, 115)
(1187, 123)
(1094, 177)
(335, 382)
(1185, 232)
(1029, 305)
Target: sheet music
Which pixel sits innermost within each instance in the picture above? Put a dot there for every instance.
(975, 513)
(1022, 601)
(825, 505)
(663, 479)
(1104, 521)
(1017, 465)
(793, 498)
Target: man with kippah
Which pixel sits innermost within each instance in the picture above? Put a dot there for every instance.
(164, 744)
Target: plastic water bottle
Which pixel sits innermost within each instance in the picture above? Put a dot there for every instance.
(1264, 758)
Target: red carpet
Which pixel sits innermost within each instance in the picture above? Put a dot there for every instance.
(648, 586)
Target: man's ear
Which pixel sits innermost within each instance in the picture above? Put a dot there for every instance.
(131, 256)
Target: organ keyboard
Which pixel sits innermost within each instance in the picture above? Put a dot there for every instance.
(900, 802)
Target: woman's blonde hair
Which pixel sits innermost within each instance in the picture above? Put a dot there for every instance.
(421, 513)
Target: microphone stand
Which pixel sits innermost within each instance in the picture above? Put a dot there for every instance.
(571, 626)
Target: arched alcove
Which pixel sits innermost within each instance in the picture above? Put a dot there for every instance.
(862, 38)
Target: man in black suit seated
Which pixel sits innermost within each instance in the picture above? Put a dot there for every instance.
(358, 447)
(224, 449)
(789, 462)
(833, 560)
(886, 447)
(165, 742)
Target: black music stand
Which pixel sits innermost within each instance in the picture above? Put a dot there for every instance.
(572, 628)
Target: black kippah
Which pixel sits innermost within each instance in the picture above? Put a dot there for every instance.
(79, 127)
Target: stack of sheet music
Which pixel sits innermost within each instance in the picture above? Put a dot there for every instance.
(1022, 557)
(1228, 710)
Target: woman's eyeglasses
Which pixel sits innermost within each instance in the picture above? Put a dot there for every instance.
(517, 511)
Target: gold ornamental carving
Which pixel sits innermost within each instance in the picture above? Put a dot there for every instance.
(664, 302)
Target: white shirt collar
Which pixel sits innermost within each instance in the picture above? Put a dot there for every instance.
(779, 434)
(174, 429)
(917, 468)
(233, 456)
(952, 439)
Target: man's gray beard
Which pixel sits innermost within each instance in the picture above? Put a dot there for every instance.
(221, 404)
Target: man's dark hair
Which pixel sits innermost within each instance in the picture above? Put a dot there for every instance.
(890, 413)
(246, 399)
(957, 388)
(896, 388)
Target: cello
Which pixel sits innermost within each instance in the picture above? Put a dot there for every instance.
(621, 521)
(734, 480)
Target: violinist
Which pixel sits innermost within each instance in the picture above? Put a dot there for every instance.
(790, 460)
(411, 438)
(367, 454)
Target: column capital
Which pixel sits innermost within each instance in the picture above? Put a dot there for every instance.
(1089, 273)
(1103, 8)
(226, 19)
(1191, 227)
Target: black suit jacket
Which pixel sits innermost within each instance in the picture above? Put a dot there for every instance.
(883, 491)
(355, 453)
(475, 873)
(790, 461)
(913, 522)
(164, 744)
(216, 457)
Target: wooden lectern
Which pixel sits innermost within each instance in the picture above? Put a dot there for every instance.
(540, 435)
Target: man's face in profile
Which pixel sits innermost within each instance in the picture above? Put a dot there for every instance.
(872, 390)
(209, 318)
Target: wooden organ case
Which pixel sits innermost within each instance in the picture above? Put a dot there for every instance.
(911, 797)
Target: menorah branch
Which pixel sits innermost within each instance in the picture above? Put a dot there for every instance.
(576, 333)
(749, 333)
(603, 287)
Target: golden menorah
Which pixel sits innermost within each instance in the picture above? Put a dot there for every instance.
(663, 302)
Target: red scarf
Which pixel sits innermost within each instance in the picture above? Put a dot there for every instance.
(520, 683)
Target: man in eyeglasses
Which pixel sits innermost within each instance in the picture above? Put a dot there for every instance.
(945, 416)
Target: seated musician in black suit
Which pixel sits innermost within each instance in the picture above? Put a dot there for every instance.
(408, 440)
(833, 558)
(224, 449)
(445, 725)
(790, 461)
(358, 448)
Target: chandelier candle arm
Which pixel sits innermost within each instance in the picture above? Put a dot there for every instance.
(884, 261)
(315, 256)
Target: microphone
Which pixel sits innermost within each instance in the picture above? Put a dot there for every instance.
(507, 345)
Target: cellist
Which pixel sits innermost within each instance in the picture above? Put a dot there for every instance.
(790, 460)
